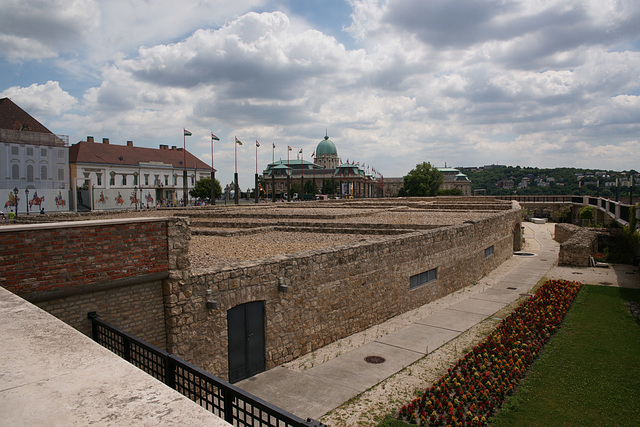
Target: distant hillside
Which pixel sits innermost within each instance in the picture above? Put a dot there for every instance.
(503, 180)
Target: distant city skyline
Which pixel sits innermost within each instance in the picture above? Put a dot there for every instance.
(394, 82)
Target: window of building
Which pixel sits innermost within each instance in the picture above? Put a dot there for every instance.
(29, 173)
(175, 179)
(166, 180)
(15, 172)
(43, 172)
(61, 154)
(124, 179)
(423, 278)
(43, 152)
(193, 180)
(29, 151)
(112, 179)
(60, 174)
(488, 252)
(135, 178)
(146, 179)
(15, 151)
(99, 179)
(156, 180)
(86, 178)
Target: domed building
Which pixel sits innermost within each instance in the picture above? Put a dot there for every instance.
(327, 154)
(327, 175)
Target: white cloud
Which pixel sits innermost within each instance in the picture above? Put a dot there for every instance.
(47, 100)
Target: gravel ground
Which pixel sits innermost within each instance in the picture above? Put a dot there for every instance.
(216, 251)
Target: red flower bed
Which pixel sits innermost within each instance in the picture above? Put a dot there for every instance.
(474, 389)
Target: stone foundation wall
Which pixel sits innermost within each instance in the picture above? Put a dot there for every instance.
(332, 293)
(577, 245)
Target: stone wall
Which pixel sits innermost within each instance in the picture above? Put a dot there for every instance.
(332, 293)
(577, 245)
(114, 267)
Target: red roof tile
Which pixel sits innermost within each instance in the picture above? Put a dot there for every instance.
(129, 155)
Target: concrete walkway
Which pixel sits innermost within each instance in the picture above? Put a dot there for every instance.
(314, 391)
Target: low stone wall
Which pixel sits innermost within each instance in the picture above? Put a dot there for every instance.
(577, 245)
(333, 293)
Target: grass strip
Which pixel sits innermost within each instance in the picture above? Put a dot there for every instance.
(589, 373)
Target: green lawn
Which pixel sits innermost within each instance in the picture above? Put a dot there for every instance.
(589, 374)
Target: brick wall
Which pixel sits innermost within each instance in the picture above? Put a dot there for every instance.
(114, 267)
(332, 292)
(37, 258)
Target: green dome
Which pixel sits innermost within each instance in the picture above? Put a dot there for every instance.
(326, 148)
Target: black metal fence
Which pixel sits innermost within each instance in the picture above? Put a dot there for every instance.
(230, 403)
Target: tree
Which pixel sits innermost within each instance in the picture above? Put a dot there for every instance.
(202, 189)
(424, 180)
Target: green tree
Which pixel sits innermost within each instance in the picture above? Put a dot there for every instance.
(424, 180)
(451, 192)
(202, 189)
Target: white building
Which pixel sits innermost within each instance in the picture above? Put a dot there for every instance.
(33, 160)
(123, 176)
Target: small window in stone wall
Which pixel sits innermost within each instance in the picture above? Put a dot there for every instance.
(423, 278)
(488, 252)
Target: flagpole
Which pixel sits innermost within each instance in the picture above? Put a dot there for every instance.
(235, 175)
(288, 176)
(213, 175)
(256, 185)
(273, 172)
(184, 164)
(302, 173)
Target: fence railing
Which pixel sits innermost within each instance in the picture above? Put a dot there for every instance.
(223, 399)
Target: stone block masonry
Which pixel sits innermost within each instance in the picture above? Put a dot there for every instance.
(335, 292)
(577, 245)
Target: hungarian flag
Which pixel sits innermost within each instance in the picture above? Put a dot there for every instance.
(214, 138)
(257, 143)
(289, 147)
(274, 145)
(299, 152)
(238, 141)
(186, 132)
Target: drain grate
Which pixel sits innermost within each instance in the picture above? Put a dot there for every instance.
(375, 359)
(523, 253)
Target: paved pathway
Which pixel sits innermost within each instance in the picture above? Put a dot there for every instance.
(325, 386)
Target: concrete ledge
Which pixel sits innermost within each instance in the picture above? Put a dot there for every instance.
(76, 224)
(52, 375)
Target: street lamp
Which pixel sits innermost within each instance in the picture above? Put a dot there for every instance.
(15, 198)
(26, 192)
(135, 195)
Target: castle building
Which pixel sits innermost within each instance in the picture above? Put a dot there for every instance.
(326, 175)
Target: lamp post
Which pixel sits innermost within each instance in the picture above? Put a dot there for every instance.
(15, 198)
(26, 192)
(135, 195)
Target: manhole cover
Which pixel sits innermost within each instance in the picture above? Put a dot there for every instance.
(375, 359)
(523, 253)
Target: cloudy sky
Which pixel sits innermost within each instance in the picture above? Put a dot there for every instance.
(545, 83)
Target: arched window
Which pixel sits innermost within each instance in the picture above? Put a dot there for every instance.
(43, 172)
(15, 172)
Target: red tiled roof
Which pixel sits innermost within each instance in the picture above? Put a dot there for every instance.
(129, 155)
(13, 117)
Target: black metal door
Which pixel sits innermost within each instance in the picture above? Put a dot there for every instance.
(246, 340)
